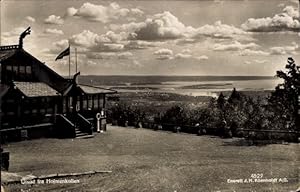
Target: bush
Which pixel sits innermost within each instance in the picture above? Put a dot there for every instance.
(126, 115)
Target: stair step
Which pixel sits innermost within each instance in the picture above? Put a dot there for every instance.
(81, 134)
(85, 137)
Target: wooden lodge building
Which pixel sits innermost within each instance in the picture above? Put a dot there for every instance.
(38, 102)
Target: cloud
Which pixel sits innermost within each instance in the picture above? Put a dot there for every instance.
(101, 55)
(285, 50)
(291, 11)
(138, 44)
(53, 31)
(109, 47)
(247, 62)
(71, 11)
(110, 41)
(91, 63)
(14, 32)
(136, 63)
(279, 50)
(55, 20)
(260, 61)
(160, 26)
(132, 26)
(89, 39)
(164, 54)
(219, 1)
(202, 57)
(256, 61)
(294, 1)
(86, 38)
(286, 21)
(137, 11)
(166, 26)
(30, 19)
(12, 37)
(235, 46)
(107, 42)
(109, 55)
(182, 56)
(125, 55)
(61, 44)
(249, 52)
(186, 51)
(102, 13)
(185, 41)
(57, 47)
(221, 31)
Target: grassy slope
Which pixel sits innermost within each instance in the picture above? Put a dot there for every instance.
(145, 160)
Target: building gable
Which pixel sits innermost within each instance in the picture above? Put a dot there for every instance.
(19, 65)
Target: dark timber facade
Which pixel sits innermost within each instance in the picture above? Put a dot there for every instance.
(38, 102)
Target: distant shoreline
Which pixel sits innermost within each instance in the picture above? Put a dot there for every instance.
(143, 80)
(187, 76)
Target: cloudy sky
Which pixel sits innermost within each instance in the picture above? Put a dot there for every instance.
(204, 37)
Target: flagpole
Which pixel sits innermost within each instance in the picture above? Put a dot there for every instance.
(75, 60)
(69, 62)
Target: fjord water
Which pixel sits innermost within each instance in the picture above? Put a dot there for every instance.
(186, 85)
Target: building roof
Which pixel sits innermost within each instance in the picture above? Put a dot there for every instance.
(41, 72)
(35, 89)
(7, 53)
(89, 89)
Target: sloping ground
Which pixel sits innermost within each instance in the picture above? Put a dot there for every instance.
(147, 160)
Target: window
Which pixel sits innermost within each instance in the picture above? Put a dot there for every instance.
(28, 69)
(96, 106)
(90, 102)
(26, 112)
(70, 102)
(15, 68)
(42, 111)
(10, 101)
(101, 100)
(64, 106)
(9, 68)
(84, 103)
(11, 113)
(22, 69)
(49, 110)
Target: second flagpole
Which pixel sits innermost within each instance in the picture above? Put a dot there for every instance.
(69, 61)
(75, 60)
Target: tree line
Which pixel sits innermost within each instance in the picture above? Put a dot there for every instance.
(227, 115)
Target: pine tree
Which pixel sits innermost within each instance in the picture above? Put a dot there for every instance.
(284, 100)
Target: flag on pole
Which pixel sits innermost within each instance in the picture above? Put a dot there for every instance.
(64, 53)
